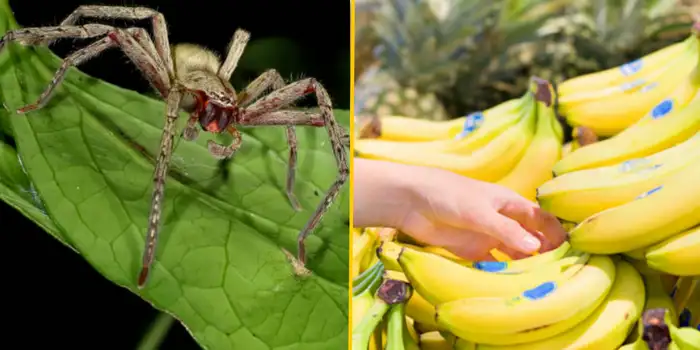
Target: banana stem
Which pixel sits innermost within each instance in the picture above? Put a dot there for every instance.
(364, 281)
(395, 326)
(363, 332)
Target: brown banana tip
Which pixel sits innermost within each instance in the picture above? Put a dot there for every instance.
(398, 257)
(584, 136)
(543, 91)
(369, 127)
(379, 249)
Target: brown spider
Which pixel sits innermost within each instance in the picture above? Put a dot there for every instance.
(194, 79)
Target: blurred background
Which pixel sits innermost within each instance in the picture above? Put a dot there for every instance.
(443, 59)
(51, 294)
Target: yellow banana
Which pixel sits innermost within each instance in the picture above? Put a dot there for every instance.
(405, 129)
(361, 246)
(476, 130)
(609, 324)
(421, 310)
(627, 72)
(507, 148)
(577, 195)
(672, 121)
(535, 167)
(658, 298)
(611, 114)
(549, 302)
(434, 341)
(678, 255)
(360, 305)
(656, 215)
(440, 280)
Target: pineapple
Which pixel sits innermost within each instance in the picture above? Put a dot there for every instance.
(423, 45)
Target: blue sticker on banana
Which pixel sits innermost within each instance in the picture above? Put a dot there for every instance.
(540, 291)
(491, 266)
(650, 192)
(632, 67)
(472, 122)
(663, 108)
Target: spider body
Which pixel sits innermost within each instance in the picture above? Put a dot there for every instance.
(194, 79)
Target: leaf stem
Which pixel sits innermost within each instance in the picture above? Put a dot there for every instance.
(156, 332)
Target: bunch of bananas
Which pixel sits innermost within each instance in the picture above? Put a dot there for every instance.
(562, 299)
(626, 188)
(610, 101)
(523, 135)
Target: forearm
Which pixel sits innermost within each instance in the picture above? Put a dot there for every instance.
(382, 193)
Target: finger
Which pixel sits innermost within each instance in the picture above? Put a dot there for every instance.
(512, 253)
(468, 245)
(533, 218)
(510, 233)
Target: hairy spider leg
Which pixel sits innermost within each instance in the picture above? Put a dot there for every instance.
(261, 110)
(160, 29)
(139, 54)
(159, 176)
(272, 79)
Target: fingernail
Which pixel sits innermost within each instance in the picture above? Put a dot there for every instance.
(531, 244)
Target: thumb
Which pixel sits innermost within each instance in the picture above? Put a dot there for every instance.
(510, 233)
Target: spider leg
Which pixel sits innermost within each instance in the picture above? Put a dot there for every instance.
(159, 176)
(219, 151)
(160, 29)
(138, 53)
(272, 78)
(235, 51)
(285, 96)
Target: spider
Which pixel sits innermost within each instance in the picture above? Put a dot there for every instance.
(194, 79)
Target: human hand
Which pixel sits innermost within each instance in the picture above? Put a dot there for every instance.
(465, 216)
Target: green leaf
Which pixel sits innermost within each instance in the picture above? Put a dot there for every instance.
(220, 268)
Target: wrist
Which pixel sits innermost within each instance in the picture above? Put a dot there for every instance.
(383, 193)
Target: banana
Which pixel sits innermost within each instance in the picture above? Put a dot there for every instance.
(687, 338)
(627, 72)
(671, 121)
(477, 129)
(658, 298)
(607, 326)
(360, 247)
(612, 110)
(533, 335)
(549, 302)
(434, 341)
(530, 263)
(405, 129)
(577, 195)
(440, 280)
(507, 147)
(360, 305)
(656, 215)
(535, 167)
(678, 255)
(422, 311)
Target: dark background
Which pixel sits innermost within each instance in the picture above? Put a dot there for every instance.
(50, 294)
